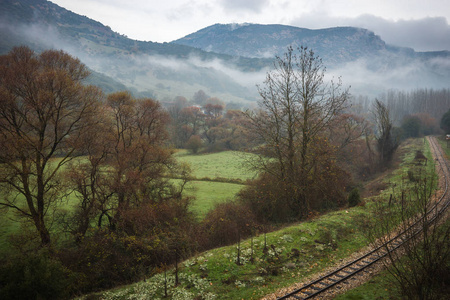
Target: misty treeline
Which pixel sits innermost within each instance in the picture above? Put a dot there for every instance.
(93, 184)
(206, 123)
(424, 106)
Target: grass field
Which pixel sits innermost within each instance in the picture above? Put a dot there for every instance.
(216, 275)
(227, 164)
(209, 193)
(445, 145)
(219, 176)
(318, 243)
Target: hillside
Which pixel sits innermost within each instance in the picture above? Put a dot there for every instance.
(362, 58)
(225, 60)
(149, 69)
(297, 253)
(335, 45)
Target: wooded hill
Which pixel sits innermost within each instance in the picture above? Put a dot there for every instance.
(224, 60)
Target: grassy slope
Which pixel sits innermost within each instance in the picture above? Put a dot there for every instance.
(383, 285)
(321, 242)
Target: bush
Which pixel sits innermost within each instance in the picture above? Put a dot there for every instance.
(34, 276)
(445, 122)
(268, 200)
(277, 199)
(411, 127)
(354, 198)
(226, 223)
(194, 143)
(144, 239)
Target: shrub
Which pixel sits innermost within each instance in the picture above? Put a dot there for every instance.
(144, 239)
(273, 199)
(35, 275)
(268, 200)
(354, 198)
(226, 223)
(194, 143)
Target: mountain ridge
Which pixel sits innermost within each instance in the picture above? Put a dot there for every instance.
(166, 70)
(334, 44)
(41, 25)
(262, 41)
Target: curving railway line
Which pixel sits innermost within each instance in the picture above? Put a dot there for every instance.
(435, 211)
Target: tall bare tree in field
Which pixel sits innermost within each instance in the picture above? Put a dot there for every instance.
(44, 112)
(387, 141)
(296, 110)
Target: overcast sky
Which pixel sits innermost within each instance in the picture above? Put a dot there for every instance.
(419, 24)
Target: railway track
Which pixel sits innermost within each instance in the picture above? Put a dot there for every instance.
(360, 264)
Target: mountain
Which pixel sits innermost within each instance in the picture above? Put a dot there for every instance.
(362, 58)
(224, 60)
(160, 70)
(335, 45)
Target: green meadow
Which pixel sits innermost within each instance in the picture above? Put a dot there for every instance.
(208, 193)
(217, 177)
(222, 165)
(294, 252)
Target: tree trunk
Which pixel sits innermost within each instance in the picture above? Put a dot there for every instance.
(42, 229)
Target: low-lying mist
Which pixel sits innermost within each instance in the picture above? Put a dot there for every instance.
(164, 77)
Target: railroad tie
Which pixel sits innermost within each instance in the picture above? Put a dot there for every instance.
(332, 279)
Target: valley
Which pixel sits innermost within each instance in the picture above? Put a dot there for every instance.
(235, 162)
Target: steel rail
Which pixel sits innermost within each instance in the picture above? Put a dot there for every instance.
(359, 264)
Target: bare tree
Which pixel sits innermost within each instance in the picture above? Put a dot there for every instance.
(387, 141)
(420, 265)
(296, 109)
(44, 112)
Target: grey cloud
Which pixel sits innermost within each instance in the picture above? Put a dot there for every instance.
(426, 34)
(409, 74)
(249, 5)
